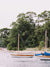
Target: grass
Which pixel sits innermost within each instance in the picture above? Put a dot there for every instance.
(36, 49)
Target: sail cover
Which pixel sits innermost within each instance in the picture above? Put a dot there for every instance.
(46, 54)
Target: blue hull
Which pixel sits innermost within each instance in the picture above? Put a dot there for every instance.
(46, 54)
(38, 54)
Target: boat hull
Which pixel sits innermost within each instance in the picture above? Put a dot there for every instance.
(21, 56)
(45, 58)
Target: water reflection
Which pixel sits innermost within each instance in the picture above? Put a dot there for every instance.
(7, 61)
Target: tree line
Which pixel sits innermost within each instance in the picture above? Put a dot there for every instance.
(31, 28)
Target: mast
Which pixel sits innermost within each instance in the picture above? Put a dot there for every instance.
(46, 39)
(18, 41)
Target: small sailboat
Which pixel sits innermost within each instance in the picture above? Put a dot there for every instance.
(45, 55)
(21, 55)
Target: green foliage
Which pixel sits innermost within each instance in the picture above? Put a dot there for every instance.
(4, 32)
(39, 34)
(9, 46)
(41, 45)
(14, 48)
(31, 35)
(4, 42)
(21, 48)
(30, 42)
(24, 27)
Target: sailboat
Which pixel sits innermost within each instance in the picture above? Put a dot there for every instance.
(45, 55)
(21, 55)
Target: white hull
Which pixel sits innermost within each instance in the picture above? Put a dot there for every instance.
(43, 58)
(22, 56)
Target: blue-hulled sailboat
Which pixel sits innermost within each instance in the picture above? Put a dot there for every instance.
(45, 55)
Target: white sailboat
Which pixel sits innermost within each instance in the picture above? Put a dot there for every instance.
(21, 55)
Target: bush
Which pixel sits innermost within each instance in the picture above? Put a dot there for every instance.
(21, 49)
(9, 46)
(41, 45)
(4, 42)
(15, 48)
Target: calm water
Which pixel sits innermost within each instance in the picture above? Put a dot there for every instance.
(7, 61)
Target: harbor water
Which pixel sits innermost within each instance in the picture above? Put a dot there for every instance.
(7, 61)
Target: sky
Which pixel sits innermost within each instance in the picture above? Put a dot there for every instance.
(9, 9)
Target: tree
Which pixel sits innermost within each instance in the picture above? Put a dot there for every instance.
(4, 36)
(25, 26)
(39, 34)
(4, 32)
(45, 17)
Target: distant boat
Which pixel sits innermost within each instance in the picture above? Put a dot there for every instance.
(20, 55)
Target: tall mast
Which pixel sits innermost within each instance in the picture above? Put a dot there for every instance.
(46, 38)
(18, 41)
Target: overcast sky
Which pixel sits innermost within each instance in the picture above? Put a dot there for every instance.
(9, 9)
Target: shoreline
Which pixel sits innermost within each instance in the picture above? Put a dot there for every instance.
(23, 51)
